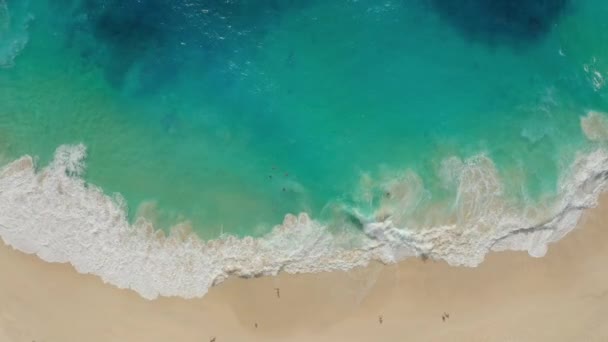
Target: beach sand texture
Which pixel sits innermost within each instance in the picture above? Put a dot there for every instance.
(510, 297)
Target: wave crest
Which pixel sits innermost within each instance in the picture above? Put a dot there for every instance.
(53, 213)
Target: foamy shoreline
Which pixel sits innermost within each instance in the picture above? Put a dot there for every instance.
(53, 213)
(511, 296)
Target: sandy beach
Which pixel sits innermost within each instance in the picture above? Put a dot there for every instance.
(510, 297)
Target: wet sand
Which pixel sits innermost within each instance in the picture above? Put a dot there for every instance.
(510, 297)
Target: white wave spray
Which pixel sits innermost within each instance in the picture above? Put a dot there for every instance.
(55, 214)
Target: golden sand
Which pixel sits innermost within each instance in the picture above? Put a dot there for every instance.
(510, 297)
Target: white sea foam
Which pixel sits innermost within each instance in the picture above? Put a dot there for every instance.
(595, 76)
(53, 213)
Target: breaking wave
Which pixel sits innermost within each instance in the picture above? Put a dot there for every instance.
(53, 213)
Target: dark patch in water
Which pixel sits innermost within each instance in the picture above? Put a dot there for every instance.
(133, 24)
(510, 22)
(354, 220)
(134, 33)
(158, 36)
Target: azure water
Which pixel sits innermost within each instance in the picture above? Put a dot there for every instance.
(230, 115)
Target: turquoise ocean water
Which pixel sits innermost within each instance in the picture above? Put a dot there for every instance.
(231, 114)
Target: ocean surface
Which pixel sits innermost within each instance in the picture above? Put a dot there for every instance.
(165, 145)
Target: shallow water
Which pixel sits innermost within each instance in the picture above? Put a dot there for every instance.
(230, 115)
